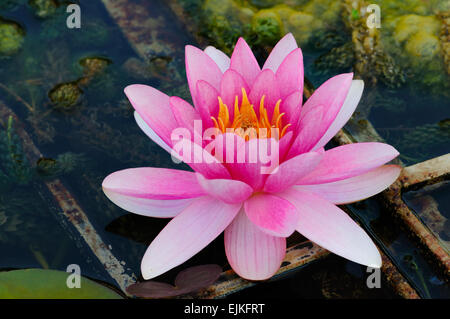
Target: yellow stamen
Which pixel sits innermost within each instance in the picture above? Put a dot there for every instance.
(224, 115)
(284, 129)
(276, 113)
(245, 122)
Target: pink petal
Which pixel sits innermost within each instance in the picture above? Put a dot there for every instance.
(188, 233)
(349, 160)
(284, 144)
(199, 66)
(157, 192)
(253, 160)
(253, 254)
(150, 133)
(185, 114)
(356, 188)
(265, 84)
(207, 102)
(272, 214)
(199, 159)
(221, 59)
(308, 134)
(230, 87)
(347, 109)
(290, 73)
(330, 227)
(154, 183)
(159, 208)
(330, 95)
(291, 107)
(285, 46)
(227, 190)
(244, 62)
(291, 171)
(153, 107)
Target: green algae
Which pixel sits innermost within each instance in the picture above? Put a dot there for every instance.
(12, 37)
(43, 8)
(65, 96)
(411, 34)
(261, 22)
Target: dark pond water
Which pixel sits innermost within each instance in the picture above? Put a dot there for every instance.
(66, 87)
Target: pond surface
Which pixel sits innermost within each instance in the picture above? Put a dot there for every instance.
(66, 87)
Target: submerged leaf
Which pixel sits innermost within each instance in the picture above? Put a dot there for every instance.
(188, 280)
(155, 289)
(198, 277)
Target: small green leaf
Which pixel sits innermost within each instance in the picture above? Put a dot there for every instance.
(355, 14)
(49, 284)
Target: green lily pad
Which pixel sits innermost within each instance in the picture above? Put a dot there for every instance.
(49, 284)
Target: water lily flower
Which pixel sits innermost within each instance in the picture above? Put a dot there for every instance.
(256, 211)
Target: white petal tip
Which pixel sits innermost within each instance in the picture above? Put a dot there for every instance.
(149, 272)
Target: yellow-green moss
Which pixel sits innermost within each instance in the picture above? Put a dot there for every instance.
(43, 8)
(423, 45)
(410, 24)
(11, 37)
(420, 7)
(268, 27)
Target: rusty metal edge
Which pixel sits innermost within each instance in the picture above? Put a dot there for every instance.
(72, 210)
(395, 204)
(427, 172)
(422, 234)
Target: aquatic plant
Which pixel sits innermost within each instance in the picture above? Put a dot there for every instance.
(371, 61)
(415, 36)
(8, 225)
(255, 205)
(11, 37)
(43, 8)
(63, 164)
(263, 22)
(14, 166)
(65, 96)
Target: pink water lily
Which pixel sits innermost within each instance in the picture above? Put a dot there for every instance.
(256, 211)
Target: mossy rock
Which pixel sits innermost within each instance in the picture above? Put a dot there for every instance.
(65, 96)
(229, 9)
(12, 36)
(328, 11)
(44, 8)
(268, 27)
(410, 24)
(303, 25)
(423, 45)
(224, 21)
(49, 284)
(93, 66)
(420, 7)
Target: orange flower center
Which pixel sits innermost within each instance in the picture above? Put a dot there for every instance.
(245, 122)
